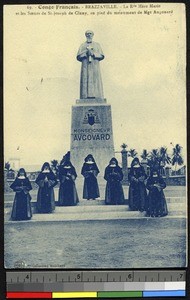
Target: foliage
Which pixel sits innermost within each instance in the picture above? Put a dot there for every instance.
(164, 157)
(177, 158)
(124, 146)
(144, 154)
(158, 158)
(7, 165)
(133, 153)
(55, 165)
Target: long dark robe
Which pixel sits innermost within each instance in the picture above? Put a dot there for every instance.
(45, 197)
(67, 191)
(137, 189)
(157, 206)
(90, 189)
(90, 80)
(114, 190)
(21, 206)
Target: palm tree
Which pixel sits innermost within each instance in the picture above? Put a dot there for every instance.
(144, 154)
(55, 165)
(133, 153)
(177, 157)
(154, 154)
(164, 157)
(144, 160)
(124, 146)
(153, 158)
(159, 158)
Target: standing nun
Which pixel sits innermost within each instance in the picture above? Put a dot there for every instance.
(137, 188)
(157, 206)
(46, 181)
(114, 191)
(21, 206)
(67, 191)
(90, 172)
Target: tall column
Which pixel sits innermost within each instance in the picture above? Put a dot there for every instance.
(124, 166)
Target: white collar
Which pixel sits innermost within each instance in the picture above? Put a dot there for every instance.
(90, 162)
(21, 177)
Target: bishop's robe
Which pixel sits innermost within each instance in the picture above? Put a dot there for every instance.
(90, 80)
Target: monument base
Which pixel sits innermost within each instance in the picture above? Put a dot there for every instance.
(91, 133)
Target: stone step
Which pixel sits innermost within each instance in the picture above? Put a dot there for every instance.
(110, 208)
(78, 216)
(99, 206)
(83, 202)
(81, 211)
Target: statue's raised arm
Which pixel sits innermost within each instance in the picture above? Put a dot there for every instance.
(90, 53)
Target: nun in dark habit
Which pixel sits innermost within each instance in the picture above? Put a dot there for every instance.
(67, 191)
(21, 206)
(46, 181)
(90, 172)
(137, 189)
(114, 191)
(156, 206)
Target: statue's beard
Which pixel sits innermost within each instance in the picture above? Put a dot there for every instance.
(89, 40)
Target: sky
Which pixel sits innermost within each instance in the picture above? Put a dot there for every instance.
(143, 76)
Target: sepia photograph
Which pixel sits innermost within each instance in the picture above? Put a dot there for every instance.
(95, 149)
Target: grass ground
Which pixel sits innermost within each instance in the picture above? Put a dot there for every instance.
(139, 243)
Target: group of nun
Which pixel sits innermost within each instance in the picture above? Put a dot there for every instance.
(153, 202)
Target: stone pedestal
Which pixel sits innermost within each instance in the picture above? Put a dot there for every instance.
(91, 133)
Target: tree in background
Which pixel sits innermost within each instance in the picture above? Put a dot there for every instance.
(10, 173)
(145, 155)
(124, 146)
(144, 160)
(55, 166)
(177, 158)
(164, 157)
(7, 166)
(133, 153)
(159, 158)
(153, 158)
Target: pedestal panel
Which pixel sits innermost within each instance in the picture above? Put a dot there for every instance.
(91, 133)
